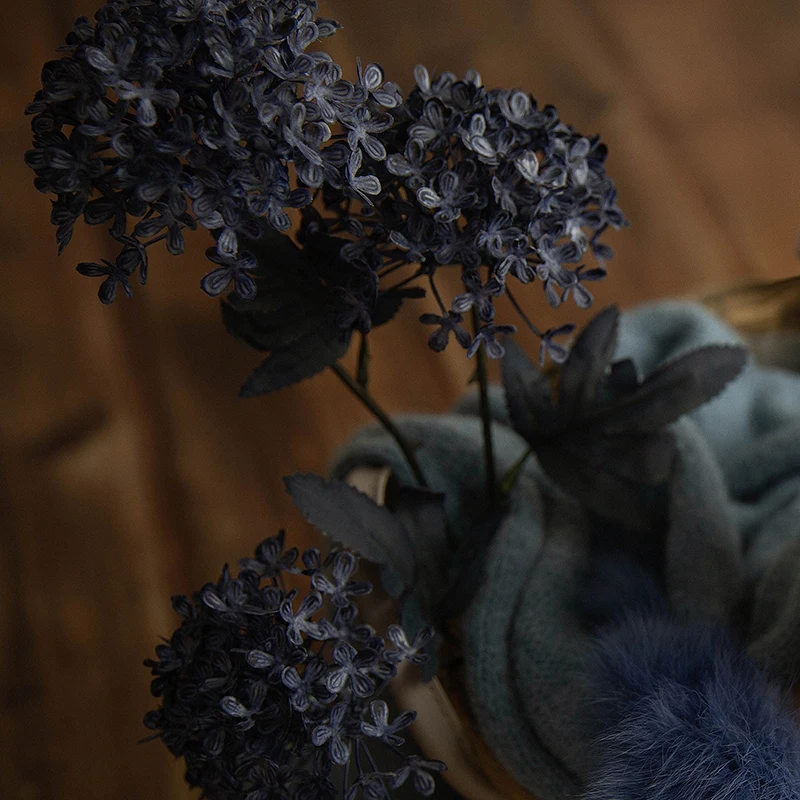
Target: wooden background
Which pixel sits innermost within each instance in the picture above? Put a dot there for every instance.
(130, 470)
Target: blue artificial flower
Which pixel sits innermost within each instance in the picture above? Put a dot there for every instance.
(419, 770)
(217, 113)
(478, 295)
(255, 703)
(405, 650)
(116, 274)
(450, 323)
(486, 180)
(547, 347)
(339, 587)
(487, 336)
(192, 111)
(381, 728)
(352, 668)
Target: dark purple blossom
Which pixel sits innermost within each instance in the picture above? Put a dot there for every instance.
(346, 627)
(116, 274)
(516, 261)
(557, 352)
(478, 295)
(450, 323)
(299, 622)
(372, 79)
(245, 714)
(234, 269)
(487, 336)
(218, 113)
(405, 650)
(254, 701)
(334, 733)
(448, 200)
(419, 770)
(271, 558)
(339, 587)
(308, 687)
(495, 234)
(353, 668)
(155, 104)
(482, 179)
(381, 728)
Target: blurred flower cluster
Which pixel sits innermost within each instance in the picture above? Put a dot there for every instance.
(265, 692)
(163, 116)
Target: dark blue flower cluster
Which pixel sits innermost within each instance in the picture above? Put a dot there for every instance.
(184, 112)
(487, 181)
(265, 692)
(214, 113)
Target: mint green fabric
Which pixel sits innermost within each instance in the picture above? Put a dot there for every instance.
(733, 541)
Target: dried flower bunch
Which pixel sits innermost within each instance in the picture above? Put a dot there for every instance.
(263, 695)
(215, 113)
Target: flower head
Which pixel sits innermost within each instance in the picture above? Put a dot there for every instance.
(175, 113)
(486, 180)
(217, 114)
(257, 702)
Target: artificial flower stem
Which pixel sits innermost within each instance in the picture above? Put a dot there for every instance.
(486, 419)
(362, 373)
(366, 398)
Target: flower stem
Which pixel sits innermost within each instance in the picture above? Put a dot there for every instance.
(362, 373)
(369, 401)
(486, 419)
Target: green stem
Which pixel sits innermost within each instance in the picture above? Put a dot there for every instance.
(362, 373)
(486, 420)
(369, 401)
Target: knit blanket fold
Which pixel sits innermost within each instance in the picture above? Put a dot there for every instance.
(732, 544)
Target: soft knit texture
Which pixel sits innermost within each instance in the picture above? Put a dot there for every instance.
(731, 548)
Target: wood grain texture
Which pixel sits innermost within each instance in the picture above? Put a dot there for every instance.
(129, 470)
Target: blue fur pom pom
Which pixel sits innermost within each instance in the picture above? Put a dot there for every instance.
(682, 712)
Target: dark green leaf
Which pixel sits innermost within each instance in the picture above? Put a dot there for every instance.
(581, 375)
(529, 397)
(625, 502)
(354, 520)
(322, 250)
(646, 459)
(242, 326)
(297, 361)
(675, 389)
(276, 252)
(389, 302)
(606, 441)
(421, 513)
(293, 317)
(622, 378)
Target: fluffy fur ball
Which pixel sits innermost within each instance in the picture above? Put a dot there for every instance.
(682, 712)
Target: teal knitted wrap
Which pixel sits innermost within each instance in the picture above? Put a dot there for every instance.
(733, 542)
